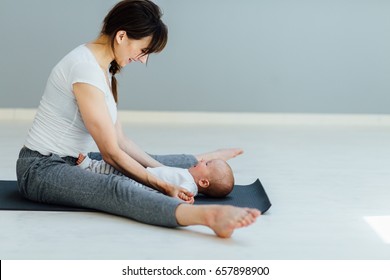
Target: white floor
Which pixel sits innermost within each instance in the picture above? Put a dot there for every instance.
(329, 185)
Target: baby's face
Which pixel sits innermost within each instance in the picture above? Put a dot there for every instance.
(204, 168)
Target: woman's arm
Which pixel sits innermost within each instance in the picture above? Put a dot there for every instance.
(132, 149)
(94, 111)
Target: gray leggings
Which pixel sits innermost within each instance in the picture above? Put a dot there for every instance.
(56, 180)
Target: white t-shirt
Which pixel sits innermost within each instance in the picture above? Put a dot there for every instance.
(58, 127)
(177, 176)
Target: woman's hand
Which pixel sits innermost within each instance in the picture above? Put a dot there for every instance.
(181, 193)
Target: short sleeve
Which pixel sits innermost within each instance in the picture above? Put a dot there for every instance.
(86, 72)
(190, 186)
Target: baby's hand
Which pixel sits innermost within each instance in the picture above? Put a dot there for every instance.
(182, 194)
(187, 198)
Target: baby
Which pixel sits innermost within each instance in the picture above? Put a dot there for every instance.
(212, 178)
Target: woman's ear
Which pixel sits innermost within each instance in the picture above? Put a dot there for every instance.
(204, 183)
(120, 36)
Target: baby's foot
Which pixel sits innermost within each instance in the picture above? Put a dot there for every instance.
(80, 159)
(224, 154)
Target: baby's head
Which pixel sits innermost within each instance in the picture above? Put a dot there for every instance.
(214, 177)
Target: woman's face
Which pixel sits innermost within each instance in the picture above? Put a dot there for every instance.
(128, 50)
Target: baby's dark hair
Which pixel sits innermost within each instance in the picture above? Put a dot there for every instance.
(221, 182)
(139, 19)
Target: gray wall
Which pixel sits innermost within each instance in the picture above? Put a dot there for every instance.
(328, 56)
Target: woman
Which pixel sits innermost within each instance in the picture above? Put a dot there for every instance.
(79, 107)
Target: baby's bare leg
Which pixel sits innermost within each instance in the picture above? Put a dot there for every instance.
(224, 154)
(222, 219)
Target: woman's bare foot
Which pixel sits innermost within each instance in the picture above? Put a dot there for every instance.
(224, 154)
(222, 219)
(228, 218)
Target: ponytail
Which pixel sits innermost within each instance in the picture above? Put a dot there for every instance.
(114, 68)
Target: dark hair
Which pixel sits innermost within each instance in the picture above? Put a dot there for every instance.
(139, 18)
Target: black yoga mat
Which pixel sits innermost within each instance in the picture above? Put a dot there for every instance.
(253, 196)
